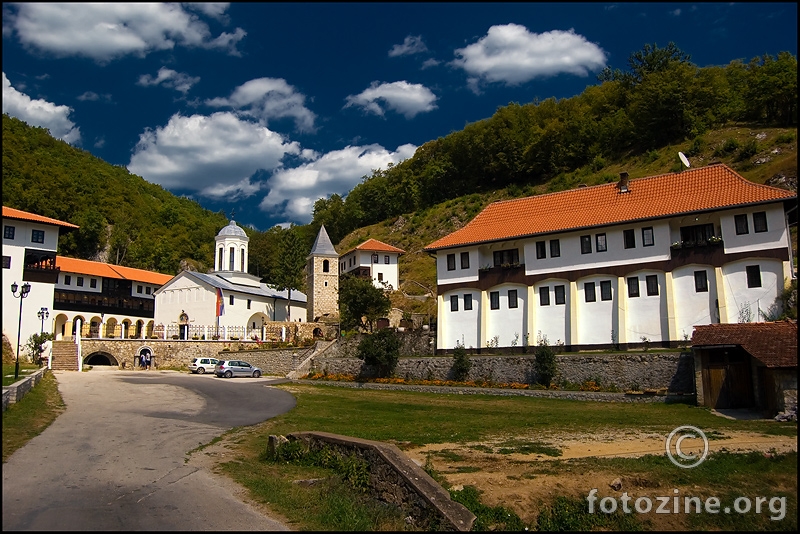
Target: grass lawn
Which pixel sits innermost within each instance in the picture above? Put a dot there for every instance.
(28, 418)
(24, 370)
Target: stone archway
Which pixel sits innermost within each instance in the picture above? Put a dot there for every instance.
(100, 358)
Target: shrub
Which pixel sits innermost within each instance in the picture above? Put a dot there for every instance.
(461, 363)
(748, 150)
(381, 350)
(728, 147)
(544, 363)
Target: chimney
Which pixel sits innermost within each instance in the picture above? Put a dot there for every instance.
(623, 182)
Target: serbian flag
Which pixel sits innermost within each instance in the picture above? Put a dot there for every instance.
(220, 303)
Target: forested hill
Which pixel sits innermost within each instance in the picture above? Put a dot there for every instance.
(123, 219)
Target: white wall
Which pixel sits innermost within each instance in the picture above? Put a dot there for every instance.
(693, 308)
(739, 298)
(461, 326)
(550, 321)
(507, 323)
(774, 237)
(646, 315)
(596, 319)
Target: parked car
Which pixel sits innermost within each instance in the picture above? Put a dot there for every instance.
(203, 365)
(231, 368)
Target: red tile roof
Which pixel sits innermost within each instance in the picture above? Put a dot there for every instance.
(376, 246)
(693, 190)
(11, 213)
(106, 270)
(774, 344)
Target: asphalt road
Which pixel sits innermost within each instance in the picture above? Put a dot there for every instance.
(115, 459)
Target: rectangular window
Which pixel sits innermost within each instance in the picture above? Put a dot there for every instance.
(451, 262)
(6, 262)
(633, 286)
(8, 232)
(605, 290)
(230, 300)
(506, 257)
(139, 289)
(647, 237)
(468, 301)
(249, 301)
(561, 297)
(465, 260)
(700, 282)
(380, 277)
(67, 279)
(651, 281)
(741, 224)
(147, 290)
(494, 300)
(374, 258)
(512, 298)
(629, 236)
(753, 276)
(586, 244)
(555, 248)
(93, 283)
(386, 260)
(453, 303)
(37, 236)
(699, 233)
(600, 240)
(544, 296)
(80, 281)
(588, 290)
(760, 221)
(541, 250)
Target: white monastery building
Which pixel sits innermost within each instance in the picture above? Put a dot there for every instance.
(637, 262)
(228, 302)
(374, 259)
(30, 242)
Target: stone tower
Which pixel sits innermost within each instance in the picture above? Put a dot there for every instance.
(322, 279)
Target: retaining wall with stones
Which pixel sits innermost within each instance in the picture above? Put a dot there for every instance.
(395, 479)
(672, 371)
(18, 389)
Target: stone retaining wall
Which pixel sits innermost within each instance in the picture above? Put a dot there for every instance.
(673, 371)
(18, 389)
(395, 479)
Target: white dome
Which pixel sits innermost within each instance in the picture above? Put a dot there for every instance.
(232, 229)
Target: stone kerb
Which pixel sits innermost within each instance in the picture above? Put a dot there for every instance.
(18, 389)
(395, 479)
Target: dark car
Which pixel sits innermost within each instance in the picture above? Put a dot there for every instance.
(231, 368)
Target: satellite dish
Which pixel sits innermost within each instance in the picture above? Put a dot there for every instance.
(684, 159)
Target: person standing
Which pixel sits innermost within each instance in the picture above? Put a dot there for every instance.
(147, 359)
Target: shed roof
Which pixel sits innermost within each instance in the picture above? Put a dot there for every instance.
(773, 343)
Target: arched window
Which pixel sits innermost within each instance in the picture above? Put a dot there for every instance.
(325, 266)
(219, 260)
(232, 262)
(243, 266)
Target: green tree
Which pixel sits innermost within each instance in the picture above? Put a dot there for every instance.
(361, 303)
(381, 350)
(35, 345)
(289, 269)
(461, 363)
(544, 362)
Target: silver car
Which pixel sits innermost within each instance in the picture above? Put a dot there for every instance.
(231, 368)
(203, 365)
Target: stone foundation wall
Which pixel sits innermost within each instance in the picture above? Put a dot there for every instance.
(674, 371)
(395, 479)
(412, 343)
(18, 389)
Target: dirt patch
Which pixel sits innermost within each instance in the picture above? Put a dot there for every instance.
(521, 481)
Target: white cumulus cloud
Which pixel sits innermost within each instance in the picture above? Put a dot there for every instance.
(214, 156)
(105, 31)
(411, 45)
(180, 81)
(512, 55)
(292, 192)
(408, 99)
(268, 99)
(40, 113)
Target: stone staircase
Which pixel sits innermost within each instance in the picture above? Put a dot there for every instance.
(65, 356)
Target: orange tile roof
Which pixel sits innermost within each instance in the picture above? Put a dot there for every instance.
(12, 213)
(377, 246)
(106, 270)
(774, 343)
(693, 190)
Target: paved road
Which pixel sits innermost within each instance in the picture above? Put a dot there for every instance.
(115, 460)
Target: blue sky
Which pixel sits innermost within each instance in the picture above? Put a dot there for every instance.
(263, 108)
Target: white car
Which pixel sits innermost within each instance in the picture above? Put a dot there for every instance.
(203, 365)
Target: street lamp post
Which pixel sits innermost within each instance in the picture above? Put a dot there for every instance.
(26, 288)
(43, 314)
